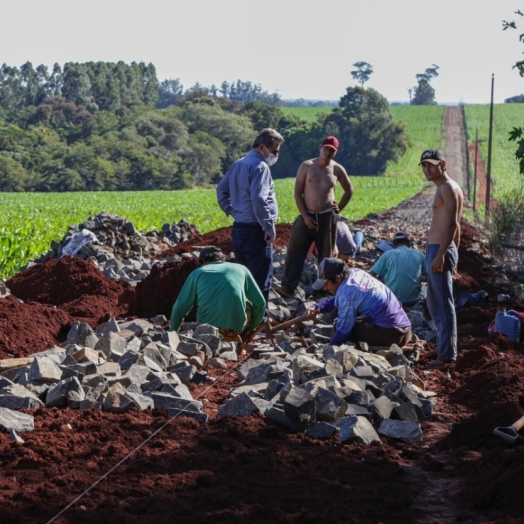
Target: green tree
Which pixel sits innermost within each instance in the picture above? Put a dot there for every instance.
(369, 137)
(424, 93)
(13, 176)
(362, 72)
(262, 115)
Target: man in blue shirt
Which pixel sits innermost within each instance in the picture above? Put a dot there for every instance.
(367, 309)
(247, 193)
(402, 269)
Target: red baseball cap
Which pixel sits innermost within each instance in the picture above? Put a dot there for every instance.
(331, 142)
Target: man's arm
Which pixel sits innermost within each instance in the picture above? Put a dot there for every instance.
(450, 210)
(185, 301)
(254, 295)
(224, 195)
(260, 187)
(347, 186)
(300, 186)
(347, 316)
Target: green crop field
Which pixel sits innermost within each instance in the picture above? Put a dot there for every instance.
(30, 221)
(309, 114)
(504, 166)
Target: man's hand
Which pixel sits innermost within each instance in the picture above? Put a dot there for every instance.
(312, 312)
(437, 266)
(269, 238)
(456, 274)
(248, 335)
(310, 223)
(334, 205)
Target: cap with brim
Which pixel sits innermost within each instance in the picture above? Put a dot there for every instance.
(328, 268)
(401, 235)
(331, 142)
(433, 156)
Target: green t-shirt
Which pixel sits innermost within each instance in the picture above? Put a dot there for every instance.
(401, 269)
(220, 290)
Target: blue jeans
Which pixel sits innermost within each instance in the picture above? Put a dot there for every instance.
(440, 301)
(252, 251)
(358, 238)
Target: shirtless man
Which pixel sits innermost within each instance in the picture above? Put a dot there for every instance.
(442, 254)
(317, 222)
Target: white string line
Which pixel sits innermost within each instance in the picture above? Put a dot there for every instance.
(140, 446)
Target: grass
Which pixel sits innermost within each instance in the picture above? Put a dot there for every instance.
(505, 173)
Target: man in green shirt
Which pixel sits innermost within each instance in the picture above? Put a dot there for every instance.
(402, 269)
(224, 293)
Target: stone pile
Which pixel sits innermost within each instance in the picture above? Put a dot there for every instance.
(114, 245)
(325, 389)
(117, 367)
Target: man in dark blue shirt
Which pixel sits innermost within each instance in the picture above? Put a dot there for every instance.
(247, 193)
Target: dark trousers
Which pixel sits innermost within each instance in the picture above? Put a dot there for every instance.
(324, 237)
(374, 335)
(252, 251)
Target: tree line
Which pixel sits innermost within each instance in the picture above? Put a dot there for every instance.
(100, 126)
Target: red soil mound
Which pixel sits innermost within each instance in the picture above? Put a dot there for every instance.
(222, 239)
(29, 328)
(157, 293)
(76, 286)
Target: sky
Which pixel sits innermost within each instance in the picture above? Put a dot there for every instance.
(299, 48)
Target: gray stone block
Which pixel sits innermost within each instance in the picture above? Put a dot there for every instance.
(405, 431)
(10, 419)
(265, 373)
(329, 406)
(82, 334)
(151, 351)
(111, 343)
(139, 374)
(278, 415)
(299, 407)
(361, 398)
(381, 409)
(17, 396)
(356, 428)
(44, 370)
(405, 412)
(165, 401)
(240, 406)
(321, 430)
(128, 359)
(185, 373)
(363, 372)
(359, 411)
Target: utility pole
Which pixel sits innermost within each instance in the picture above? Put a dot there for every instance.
(490, 140)
(475, 169)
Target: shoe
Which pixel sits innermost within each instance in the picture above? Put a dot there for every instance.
(439, 364)
(282, 292)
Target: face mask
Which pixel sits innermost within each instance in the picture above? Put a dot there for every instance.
(271, 160)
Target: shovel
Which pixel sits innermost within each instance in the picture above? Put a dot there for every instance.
(510, 433)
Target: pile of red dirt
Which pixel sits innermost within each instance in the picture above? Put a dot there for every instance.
(222, 238)
(29, 328)
(76, 286)
(157, 293)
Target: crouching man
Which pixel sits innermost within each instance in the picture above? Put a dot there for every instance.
(367, 309)
(226, 296)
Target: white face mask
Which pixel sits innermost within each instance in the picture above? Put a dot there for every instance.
(271, 160)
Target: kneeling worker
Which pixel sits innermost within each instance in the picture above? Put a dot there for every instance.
(357, 294)
(226, 296)
(402, 269)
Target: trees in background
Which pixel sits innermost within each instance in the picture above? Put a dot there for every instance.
(362, 72)
(368, 136)
(112, 126)
(424, 93)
